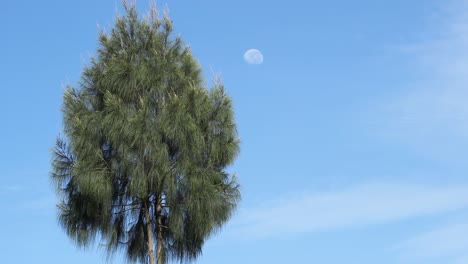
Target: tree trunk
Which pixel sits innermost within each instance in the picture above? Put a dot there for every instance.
(149, 230)
(159, 245)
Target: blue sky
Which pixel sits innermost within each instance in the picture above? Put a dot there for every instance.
(354, 128)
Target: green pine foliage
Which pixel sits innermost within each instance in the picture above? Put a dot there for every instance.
(146, 145)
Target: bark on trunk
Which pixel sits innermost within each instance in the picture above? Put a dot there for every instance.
(159, 243)
(149, 230)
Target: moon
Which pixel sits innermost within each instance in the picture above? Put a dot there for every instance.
(253, 56)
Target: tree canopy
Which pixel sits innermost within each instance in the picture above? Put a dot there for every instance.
(141, 167)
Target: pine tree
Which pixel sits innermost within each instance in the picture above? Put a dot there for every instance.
(142, 164)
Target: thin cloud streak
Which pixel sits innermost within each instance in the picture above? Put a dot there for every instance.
(435, 105)
(449, 243)
(46, 203)
(357, 206)
(10, 188)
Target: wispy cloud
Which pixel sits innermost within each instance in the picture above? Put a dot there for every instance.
(435, 104)
(356, 206)
(10, 188)
(461, 260)
(40, 204)
(448, 243)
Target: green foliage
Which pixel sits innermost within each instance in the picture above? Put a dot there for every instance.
(142, 135)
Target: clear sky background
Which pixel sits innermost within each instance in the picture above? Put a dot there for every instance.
(354, 128)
